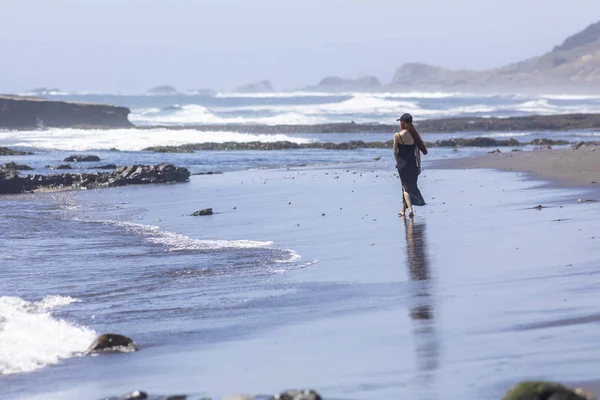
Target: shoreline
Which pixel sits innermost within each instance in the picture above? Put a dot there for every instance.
(573, 167)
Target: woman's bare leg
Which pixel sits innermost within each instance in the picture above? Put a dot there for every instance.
(403, 212)
(408, 203)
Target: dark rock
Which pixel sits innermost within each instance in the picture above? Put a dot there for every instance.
(107, 166)
(548, 142)
(16, 167)
(200, 213)
(497, 151)
(297, 395)
(29, 112)
(5, 151)
(208, 173)
(535, 123)
(144, 174)
(81, 158)
(112, 342)
(61, 166)
(545, 391)
(10, 182)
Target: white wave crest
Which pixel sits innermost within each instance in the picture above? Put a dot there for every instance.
(285, 114)
(129, 139)
(31, 338)
(177, 242)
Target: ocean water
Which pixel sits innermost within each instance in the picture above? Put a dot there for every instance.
(316, 108)
(304, 276)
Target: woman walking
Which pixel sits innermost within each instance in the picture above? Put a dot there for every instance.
(408, 146)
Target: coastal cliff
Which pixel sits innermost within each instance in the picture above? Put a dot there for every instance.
(31, 112)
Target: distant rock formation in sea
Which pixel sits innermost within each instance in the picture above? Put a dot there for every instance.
(335, 84)
(573, 64)
(256, 87)
(164, 90)
(30, 113)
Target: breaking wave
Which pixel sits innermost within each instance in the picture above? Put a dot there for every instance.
(32, 338)
(129, 139)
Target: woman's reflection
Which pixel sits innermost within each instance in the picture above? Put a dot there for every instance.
(422, 302)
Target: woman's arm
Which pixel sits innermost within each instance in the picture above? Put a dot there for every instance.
(396, 147)
(418, 154)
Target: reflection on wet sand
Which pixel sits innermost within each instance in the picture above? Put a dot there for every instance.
(422, 308)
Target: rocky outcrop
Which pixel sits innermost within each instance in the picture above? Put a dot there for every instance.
(559, 122)
(201, 213)
(112, 343)
(16, 167)
(82, 158)
(32, 113)
(5, 151)
(335, 84)
(11, 182)
(106, 166)
(352, 145)
(546, 391)
(61, 166)
(164, 90)
(573, 64)
(257, 87)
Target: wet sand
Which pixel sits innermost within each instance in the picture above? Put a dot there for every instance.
(562, 167)
(470, 297)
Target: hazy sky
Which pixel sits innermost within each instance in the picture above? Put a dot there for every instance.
(132, 45)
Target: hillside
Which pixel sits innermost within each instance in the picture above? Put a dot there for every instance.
(573, 64)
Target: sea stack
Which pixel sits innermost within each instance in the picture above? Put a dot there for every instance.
(31, 113)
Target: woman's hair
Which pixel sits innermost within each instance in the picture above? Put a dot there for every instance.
(416, 137)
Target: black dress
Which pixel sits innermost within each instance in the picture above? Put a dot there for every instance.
(409, 172)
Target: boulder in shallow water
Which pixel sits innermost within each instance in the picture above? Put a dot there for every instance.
(106, 166)
(61, 166)
(10, 182)
(81, 158)
(540, 390)
(297, 395)
(201, 213)
(15, 166)
(5, 151)
(112, 342)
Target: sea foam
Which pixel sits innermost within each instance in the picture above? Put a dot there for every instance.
(31, 337)
(128, 139)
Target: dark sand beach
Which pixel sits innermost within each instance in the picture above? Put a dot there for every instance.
(306, 277)
(563, 167)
